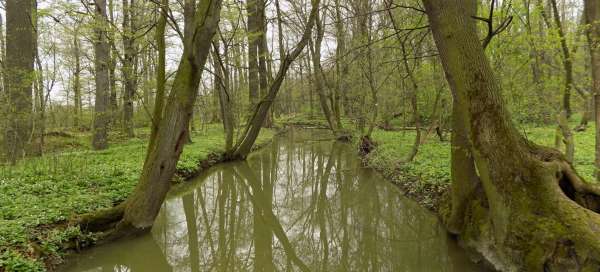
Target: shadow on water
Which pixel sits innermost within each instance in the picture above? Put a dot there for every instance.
(302, 204)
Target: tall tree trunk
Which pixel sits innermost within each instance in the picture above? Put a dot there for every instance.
(531, 211)
(114, 106)
(20, 36)
(253, 44)
(592, 15)
(567, 61)
(77, 78)
(159, 98)
(101, 58)
(223, 90)
(263, 54)
(129, 60)
(341, 67)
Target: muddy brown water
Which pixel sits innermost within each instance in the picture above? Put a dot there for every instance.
(303, 203)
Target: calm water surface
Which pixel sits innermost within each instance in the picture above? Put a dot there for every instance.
(301, 204)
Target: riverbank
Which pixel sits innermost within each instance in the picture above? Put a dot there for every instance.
(427, 177)
(40, 194)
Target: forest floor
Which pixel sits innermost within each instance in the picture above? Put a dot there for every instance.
(43, 192)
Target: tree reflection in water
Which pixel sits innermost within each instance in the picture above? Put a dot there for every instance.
(303, 204)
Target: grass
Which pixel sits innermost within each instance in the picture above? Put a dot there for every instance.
(47, 190)
(432, 163)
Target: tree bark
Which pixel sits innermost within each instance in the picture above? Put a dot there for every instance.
(253, 44)
(161, 80)
(20, 50)
(129, 60)
(225, 99)
(592, 16)
(532, 211)
(567, 61)
(102, 56)
(77, 78)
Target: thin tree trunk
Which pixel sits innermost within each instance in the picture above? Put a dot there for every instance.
(567, 62)
(77, 78)
(222, 88)
(592, 15)
(315, 48)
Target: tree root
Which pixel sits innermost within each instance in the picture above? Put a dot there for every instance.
(101, 220)
(585, 194)
(366, 145)
(551, 214)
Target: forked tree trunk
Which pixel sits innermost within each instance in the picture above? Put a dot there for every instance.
(529, 211)
(138, 212)
(318, 75)
(254, 124)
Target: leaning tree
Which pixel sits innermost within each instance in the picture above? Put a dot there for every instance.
(138, 212)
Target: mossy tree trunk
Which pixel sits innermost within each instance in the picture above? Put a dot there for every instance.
(138, 212)
(19, 75)
(129, 61)
(161, 79)
(529, 211)
(592, 16)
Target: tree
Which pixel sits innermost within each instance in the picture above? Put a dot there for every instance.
(101, 58)
(138, 212)
(129, 64)
(529, 210)
(18, 75)
(592, 18)
(161, 80)
(243, 146)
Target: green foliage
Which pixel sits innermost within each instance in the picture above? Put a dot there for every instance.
(432, 163)
(14, 261)
(48, 190)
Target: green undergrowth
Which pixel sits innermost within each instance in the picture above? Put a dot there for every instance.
(431, 166)
(45, 191)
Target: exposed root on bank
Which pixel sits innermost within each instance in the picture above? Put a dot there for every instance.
(366, 145)
(545, 219)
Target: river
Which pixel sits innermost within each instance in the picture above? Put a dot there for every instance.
(302, 203)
